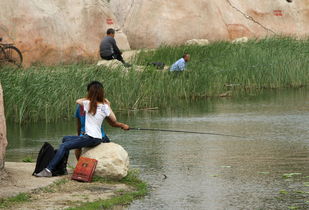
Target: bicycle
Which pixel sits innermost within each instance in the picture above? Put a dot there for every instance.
(9, 54)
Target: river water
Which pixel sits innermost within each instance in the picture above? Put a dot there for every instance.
(266, 168)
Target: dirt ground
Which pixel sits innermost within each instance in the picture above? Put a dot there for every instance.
(18, 178)
(53, 192)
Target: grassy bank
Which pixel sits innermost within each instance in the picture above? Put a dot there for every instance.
(49, 93)
(123, 198)
(137, 189)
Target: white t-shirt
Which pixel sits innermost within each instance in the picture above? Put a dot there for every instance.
(93, 123)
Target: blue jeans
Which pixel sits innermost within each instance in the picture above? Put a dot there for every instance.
(72, 142)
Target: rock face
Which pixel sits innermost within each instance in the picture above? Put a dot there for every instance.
(174, 22)
(57, 31)
(3, 140)
(113, 160)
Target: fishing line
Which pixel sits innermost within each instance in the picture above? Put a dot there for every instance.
(182, 131)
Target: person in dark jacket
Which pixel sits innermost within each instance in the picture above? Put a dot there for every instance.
(109, 49)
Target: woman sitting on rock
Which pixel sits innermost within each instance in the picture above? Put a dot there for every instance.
(97, 108)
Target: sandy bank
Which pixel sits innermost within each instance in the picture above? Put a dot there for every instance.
(44, 193)
(18, 179)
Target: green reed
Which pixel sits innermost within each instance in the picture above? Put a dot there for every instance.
(49, 93)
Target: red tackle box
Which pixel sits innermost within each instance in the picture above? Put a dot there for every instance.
(84, 169)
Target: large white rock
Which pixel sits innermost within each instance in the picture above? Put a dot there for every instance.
(113, 160)
(3, 140)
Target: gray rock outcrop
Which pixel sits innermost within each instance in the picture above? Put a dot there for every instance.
(113, 160)
(3, 140)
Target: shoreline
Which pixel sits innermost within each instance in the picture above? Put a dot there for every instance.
(21, 190)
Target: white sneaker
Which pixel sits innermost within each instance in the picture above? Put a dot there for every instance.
(44, 173)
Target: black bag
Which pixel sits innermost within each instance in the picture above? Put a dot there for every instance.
(46, 154)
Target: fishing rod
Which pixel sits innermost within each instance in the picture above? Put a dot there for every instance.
(182, 131)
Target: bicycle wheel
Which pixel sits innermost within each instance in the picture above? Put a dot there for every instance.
(13, 55)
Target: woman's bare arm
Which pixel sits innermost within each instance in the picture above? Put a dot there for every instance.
(112, 120)
(112, 114)
(115, 123)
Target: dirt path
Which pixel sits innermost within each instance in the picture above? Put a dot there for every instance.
(18, 179)
(69, 193)
(54, 192)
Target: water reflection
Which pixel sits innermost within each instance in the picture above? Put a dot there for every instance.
(192, 171)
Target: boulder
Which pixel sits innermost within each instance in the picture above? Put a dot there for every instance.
(174, 22)
(200, 42)
(240, 40)
(128, 57)
(110, 63)
(113, 160)
(113, 64)
(58, 31)
(3, 140)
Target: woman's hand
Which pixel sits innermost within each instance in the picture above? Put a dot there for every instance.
(111, 120)
(125, 127)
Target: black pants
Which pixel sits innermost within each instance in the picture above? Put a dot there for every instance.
(113, 56)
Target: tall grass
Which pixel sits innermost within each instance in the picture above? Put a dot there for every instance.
(267, 63)
(49, 93)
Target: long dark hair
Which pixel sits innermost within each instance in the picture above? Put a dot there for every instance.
(95, 95)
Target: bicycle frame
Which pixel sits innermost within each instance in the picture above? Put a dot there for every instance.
(10, 54)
